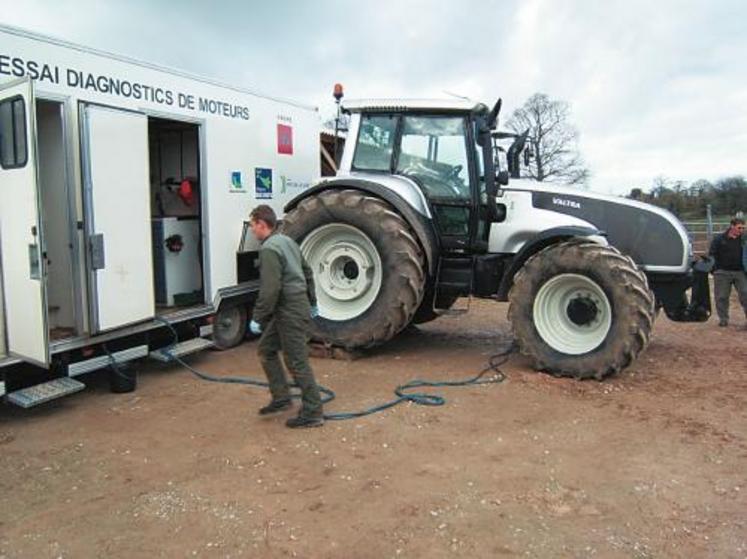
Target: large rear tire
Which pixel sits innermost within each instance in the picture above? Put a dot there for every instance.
(368, 266)
(581, 310)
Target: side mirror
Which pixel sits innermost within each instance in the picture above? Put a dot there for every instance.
(502, 177)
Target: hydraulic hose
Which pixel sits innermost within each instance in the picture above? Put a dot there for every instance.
(402, 392)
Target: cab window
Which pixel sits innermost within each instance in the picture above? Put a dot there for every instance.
(434, 151)
(13, 143)
(375, 145)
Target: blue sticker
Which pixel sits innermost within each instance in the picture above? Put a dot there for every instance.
(236, 181)
(263, 182)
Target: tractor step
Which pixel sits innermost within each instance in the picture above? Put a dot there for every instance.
(181, 349)
(40, 393)
(455, 312)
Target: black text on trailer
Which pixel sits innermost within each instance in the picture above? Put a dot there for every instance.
(123, 192)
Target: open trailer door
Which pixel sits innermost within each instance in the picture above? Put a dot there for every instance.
(118, 218)
(21, 246)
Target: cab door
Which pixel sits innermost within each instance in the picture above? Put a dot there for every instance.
(21, 243)
(436, 151)
(433, 151)
(118, 225)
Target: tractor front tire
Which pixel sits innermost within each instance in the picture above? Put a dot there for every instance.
(580, 309)
(368, 266)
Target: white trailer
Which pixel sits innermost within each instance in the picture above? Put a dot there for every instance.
(124, 188)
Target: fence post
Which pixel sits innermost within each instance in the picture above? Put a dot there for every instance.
(709, 224)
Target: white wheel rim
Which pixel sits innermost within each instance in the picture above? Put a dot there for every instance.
(347, 270)
(572, 314)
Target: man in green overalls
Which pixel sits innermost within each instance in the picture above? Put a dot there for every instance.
(282, 314)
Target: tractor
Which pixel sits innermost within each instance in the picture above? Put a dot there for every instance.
(428, 206)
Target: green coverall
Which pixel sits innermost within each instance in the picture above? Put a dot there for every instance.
(283, 310)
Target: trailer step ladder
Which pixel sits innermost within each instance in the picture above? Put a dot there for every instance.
(40, 393)
(181, 349)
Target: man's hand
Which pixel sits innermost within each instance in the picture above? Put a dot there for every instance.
(314, 311)
(255, 328)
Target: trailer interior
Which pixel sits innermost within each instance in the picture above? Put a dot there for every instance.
(176, 220)
(176, 214)
(58, 223)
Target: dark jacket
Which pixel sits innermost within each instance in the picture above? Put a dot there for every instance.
(729, 254)
(283, 272)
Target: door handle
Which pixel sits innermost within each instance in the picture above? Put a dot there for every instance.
(34, 262)
(98, 256)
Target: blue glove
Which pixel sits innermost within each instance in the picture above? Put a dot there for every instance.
(255, 328)
(314, 311)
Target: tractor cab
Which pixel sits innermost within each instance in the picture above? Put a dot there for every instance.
(444, 149)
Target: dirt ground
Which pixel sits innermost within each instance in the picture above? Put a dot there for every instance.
(650, 463)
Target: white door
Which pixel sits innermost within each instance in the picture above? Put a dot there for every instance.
(118, 217)
(20, 232)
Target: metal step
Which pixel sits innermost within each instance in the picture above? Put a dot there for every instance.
(181, 349)
(453, 312)
(102, 361)
(35, 395)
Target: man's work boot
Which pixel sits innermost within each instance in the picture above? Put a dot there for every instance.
(275, 406)
(296, 422)
(723, 323)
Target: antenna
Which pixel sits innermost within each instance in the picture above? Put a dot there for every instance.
(457, 96)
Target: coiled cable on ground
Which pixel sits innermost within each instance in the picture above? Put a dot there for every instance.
(402, 391)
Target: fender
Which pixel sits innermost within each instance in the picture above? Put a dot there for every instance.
(423, 227)
(537, 243)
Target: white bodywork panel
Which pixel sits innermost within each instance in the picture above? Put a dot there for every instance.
(21, 245)
(240, 133)
(523, 222)
(346, 161)
(118, 197)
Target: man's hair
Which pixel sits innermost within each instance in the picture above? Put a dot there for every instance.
(737, 221)
(264, 213)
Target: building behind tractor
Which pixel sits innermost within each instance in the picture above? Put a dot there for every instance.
(428, 207)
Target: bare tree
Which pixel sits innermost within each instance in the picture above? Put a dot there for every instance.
(552, 138)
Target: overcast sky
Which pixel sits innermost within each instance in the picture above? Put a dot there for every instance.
(657, 87)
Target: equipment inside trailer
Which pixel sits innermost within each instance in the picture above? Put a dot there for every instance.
(176, 212)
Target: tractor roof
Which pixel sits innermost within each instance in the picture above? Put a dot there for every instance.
(413, 105)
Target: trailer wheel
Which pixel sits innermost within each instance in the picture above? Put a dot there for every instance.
(368, 267)
(229, 327)
(581, 310)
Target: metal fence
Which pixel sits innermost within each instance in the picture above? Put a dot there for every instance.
(701, 233)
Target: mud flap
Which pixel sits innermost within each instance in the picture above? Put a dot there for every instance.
(699, 308)
(671, 294)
